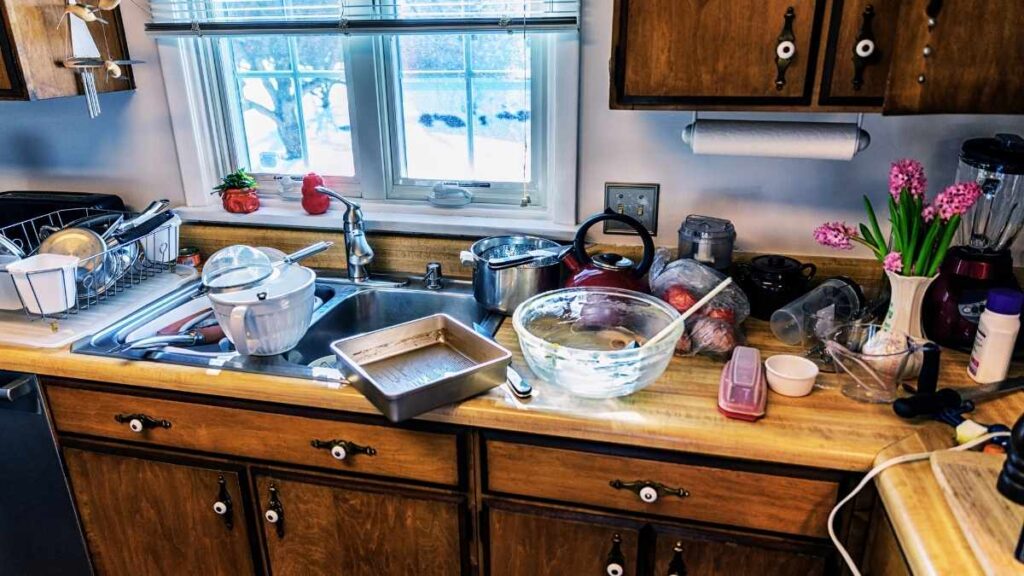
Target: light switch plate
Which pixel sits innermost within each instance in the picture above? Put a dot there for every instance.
(637, 200)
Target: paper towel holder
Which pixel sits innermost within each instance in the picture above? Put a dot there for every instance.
(863, 136)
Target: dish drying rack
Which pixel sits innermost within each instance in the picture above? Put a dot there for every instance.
(155, 254)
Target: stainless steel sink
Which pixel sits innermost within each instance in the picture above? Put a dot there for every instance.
(348, 309)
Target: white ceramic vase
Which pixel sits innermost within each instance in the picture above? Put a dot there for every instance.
(905, 303)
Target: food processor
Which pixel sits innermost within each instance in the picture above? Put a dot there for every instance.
(981, 260)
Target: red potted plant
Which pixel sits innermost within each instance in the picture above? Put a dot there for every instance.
(238, 192)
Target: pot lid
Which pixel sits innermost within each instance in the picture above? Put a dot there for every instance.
(285, 279)
(775, 264)
(612, 261)
(1004, 153)
(697, 226)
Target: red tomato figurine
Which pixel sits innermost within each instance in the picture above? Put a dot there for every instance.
(314, 202)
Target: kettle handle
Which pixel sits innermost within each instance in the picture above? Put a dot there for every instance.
(808, 271)
(580, 248)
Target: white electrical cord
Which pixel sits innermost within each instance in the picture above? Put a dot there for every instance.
(881, 468)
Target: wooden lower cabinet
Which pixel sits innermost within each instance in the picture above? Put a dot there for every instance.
(144, 516)
(539, 542)
(330, 527)
(706, 555)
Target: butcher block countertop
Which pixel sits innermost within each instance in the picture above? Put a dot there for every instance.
(678, 412)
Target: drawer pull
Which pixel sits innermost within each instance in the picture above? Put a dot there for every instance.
(275, 512)
(648, 491)
(342, 449)
(222, 507)
(677, 566)
(864, 50)
(785, 48)
(615, 565)
(140, 422)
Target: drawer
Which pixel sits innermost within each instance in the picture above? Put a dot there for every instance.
(423, 456)
(722, 496)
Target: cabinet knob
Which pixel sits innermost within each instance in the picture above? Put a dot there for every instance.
(139, 423)
(615, 565)
(342, 449)
(649, 492)
(222, 506)
(785, 48)
(275, 511)
(677, 566)
(864, 50)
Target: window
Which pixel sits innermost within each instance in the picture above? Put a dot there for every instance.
(388, 115)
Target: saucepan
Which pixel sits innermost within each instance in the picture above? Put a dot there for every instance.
(500, 289)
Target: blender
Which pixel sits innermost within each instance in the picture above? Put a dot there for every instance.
(981, 260)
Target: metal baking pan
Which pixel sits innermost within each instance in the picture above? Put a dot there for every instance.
(411, 368)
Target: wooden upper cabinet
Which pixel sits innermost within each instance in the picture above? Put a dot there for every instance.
(143, 516)
(316, 526)
(859, 49)
(32, 47)
(969, 59)
(714, 52)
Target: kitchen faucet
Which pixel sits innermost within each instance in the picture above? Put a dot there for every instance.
(357, 247)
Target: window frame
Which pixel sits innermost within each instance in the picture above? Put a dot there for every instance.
(198, 118)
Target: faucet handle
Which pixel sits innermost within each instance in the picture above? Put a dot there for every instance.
(325, 190)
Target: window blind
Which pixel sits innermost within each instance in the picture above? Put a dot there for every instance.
(252, 17)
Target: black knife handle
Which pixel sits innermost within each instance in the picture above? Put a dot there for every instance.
(927, 404)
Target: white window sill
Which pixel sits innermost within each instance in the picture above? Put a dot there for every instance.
(388, 217)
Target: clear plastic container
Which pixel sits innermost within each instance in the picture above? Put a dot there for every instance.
(578, 338)
(873, 360)
(813, 316)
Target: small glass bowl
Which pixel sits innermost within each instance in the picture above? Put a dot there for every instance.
(873, 360)
(578, 339)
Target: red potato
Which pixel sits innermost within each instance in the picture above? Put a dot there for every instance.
(722, 314)
(679, 298)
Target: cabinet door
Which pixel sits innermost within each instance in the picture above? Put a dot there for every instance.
(698, 555)
(147, 517)
(324, 528)
(10, 86)
(535, 542)
(719, 52)
(861, 36)
(958, 56)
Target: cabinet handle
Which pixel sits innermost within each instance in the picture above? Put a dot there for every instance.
(864, 51)
(785, 49)
(648, 491)
(222, 507)
(342, 449)
(140, 422)
(615, 565)
(275, 512)
(677, 566)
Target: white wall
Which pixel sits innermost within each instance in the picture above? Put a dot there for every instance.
(129, 150)
(774, 203)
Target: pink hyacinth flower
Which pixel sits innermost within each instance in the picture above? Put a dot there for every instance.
(928, 213)
(835, 235)
(893, 262)
(957, 199)
(909, 174)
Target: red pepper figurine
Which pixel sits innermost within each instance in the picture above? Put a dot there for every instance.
(314, 202)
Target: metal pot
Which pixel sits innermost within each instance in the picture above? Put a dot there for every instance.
(503, 290)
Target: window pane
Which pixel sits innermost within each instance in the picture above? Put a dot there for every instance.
(465, 102)
(283, 129)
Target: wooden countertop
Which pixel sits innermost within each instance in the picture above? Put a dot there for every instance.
(678, 412)
(929, 535)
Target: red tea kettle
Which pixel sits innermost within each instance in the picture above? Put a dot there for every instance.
(608, 269)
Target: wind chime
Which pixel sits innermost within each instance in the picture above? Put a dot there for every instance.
(81, 53)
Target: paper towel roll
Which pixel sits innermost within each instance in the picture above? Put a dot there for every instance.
(816, 140)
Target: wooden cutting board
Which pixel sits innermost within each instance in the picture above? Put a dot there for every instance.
(990, 522)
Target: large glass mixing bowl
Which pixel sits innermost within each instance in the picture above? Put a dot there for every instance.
(578, 339)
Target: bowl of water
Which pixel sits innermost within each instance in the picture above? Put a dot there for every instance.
(580, 339)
